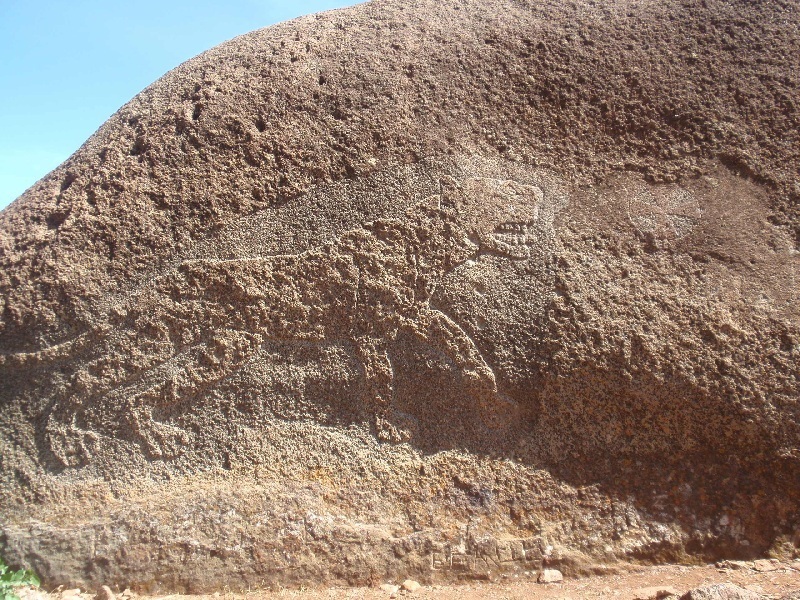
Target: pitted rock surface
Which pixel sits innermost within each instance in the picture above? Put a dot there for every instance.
(429, 290)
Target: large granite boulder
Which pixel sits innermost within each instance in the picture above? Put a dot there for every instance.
(439, 289)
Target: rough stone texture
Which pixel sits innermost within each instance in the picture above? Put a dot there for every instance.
(430, 289)
(721, 591)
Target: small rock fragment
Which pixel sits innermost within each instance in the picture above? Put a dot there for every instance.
(73, 594)
(734, 565)
(105, 593)
(654, 593)
(410, 585)
(721, 591)
(766, 565)
(31, 593)
(390, 588)
(550, 576)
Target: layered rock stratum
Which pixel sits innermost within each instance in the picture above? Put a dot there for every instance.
(429, 289)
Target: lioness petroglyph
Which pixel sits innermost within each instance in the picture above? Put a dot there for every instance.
(194, 326)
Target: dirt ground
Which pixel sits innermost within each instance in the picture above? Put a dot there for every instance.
(626, 586)
(682, 579)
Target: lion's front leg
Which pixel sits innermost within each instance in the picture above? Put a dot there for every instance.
(373, 354)
(437, 329)
(378, 371)
(441, 332)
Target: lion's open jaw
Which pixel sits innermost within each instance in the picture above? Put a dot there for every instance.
(514, 236)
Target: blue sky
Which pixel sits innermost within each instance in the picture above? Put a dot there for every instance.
(66, 66)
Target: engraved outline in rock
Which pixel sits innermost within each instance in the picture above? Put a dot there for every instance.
(366, 287)
(658, 214)
(505, 553)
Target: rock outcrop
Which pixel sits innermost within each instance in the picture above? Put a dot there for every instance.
(416, 289)
(721, 591)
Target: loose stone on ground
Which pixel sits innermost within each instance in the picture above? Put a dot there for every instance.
(550, 576)
(654, 593)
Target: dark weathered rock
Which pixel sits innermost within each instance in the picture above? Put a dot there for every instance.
(416, 289)
(105, 593)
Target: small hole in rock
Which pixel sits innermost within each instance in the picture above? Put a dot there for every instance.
(139, 146)
(68, 181)
(55, 220)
